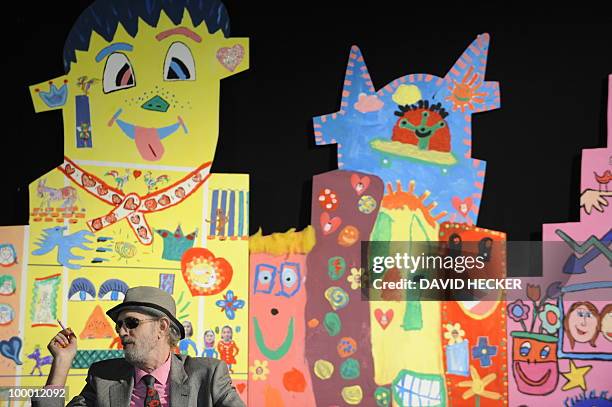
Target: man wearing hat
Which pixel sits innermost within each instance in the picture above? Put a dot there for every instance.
(151, 375)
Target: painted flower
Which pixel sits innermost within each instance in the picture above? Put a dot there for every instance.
(550, 317)
(230, 304)
(477, 386)
(355, 278)
(483, 351)
(518, 311)
(260, 370)
(454, 333)
(534, 292)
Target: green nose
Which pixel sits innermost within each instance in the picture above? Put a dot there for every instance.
(156, 104)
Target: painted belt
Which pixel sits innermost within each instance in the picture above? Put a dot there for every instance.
(131, 206)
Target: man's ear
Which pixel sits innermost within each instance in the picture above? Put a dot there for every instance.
(232, 56)
(50, 95)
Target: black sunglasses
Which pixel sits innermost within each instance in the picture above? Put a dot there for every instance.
(130, 323)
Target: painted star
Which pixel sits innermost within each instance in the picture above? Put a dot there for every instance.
(575, 377)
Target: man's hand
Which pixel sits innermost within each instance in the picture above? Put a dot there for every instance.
(63, 348)
(594, 199)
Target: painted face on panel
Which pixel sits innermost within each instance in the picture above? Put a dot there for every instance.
(227, 334)
(534, 363)
(606, 322)
(278, 301)
(152, 97)
(581, 323)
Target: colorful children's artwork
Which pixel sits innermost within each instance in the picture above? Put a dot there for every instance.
(43, 310)
(418, 124)
(277, 339)
(134, 202)
(560, 332)
(474, 331)
(8, 284)
(139, 145)
(338, 344)
(8, 256)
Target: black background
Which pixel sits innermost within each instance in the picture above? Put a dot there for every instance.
(552, 67)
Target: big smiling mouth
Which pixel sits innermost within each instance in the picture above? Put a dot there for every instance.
(581, 332)
(526, 379)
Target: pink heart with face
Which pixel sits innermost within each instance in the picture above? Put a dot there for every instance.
(463, 207)
(328, 224)
(230, 58)
(383, 318)
(360, 184)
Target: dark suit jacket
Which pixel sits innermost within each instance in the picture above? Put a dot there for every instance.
(194, 382)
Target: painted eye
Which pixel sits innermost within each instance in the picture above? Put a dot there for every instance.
(525, 348)
(118, 73)
(81, 289)
(179, 64)
(290, 279)
(264, 278)
(112, 290)
(545, 352)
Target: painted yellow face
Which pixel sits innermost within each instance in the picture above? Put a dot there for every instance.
(152, 99)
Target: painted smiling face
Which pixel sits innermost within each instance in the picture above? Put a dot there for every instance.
(278, 302)
(148, 97)
(581, 323)
(209, 337)
(534, 364)
(606, 322)
(226, 334)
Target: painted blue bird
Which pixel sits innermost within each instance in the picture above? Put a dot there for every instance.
(55, 237)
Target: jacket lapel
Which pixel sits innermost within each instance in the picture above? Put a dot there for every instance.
(120, 393)
(179, 386)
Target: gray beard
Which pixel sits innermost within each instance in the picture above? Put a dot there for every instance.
(137, 355)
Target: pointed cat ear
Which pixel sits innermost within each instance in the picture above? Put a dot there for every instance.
(50, 95)
(358, 93)
(464, 85)
(232, 57)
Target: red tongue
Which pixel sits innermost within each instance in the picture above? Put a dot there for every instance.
(148, 143)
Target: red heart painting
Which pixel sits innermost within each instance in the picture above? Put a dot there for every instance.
(102, 190)
(69, 169)
(164, 200)
(328, 224)
(130, 204)
(230, 58)
(360, 184)
(88, 182)
(463, 207)
(150, 204)
(383, 318)
(96, 224)
(137, 173)
(204, 273)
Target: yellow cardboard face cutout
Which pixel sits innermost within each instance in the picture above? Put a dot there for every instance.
(152, 98)
(134, 202)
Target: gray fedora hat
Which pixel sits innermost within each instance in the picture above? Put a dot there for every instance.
(149, 300)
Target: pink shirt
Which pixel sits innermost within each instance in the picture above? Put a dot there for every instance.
(162, 385)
